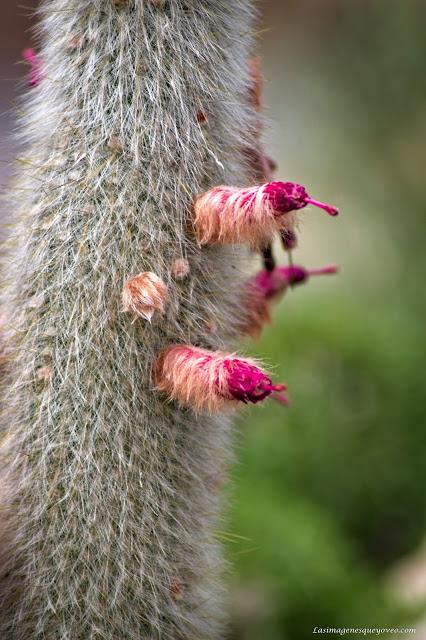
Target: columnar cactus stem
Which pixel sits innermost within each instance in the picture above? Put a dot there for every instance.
(107, 506)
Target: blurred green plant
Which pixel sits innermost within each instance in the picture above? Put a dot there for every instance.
(330, 494)
(332, 491)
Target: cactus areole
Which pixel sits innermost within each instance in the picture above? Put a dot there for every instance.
(124, 298)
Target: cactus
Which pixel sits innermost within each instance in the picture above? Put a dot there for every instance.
(109, 499)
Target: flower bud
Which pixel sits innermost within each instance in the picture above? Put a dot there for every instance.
(144, 294)
(35, 75)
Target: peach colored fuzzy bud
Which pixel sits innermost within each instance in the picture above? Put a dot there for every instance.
(144, 294)
(210, 380)
(180, 268)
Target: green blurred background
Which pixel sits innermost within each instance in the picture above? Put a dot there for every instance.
(328, 512)
(328, 507)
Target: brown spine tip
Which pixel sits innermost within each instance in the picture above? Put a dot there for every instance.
(144, 294)
(177, 589)
(202, 117)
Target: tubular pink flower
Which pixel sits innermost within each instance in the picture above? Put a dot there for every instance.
(289, 196)
(211, 380)
(274, 283)
(265, 287)
(227, 215)
(35, 75)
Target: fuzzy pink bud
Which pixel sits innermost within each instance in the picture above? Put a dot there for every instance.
(35, 75)
(144, 294)
(211, 380)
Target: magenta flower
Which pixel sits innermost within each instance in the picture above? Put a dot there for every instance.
(248, 383)
(288, 196)
(273, 283)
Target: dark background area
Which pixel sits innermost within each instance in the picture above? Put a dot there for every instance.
(328, 510)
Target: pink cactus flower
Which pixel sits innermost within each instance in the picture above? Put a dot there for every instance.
(269, 285)
(35, 75)
(228, 215)
(289, 196)
(273, 283)
(211, 380)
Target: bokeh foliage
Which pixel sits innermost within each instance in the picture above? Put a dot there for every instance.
(329, 495)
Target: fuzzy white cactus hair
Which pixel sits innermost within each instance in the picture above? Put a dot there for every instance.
(108, 501)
